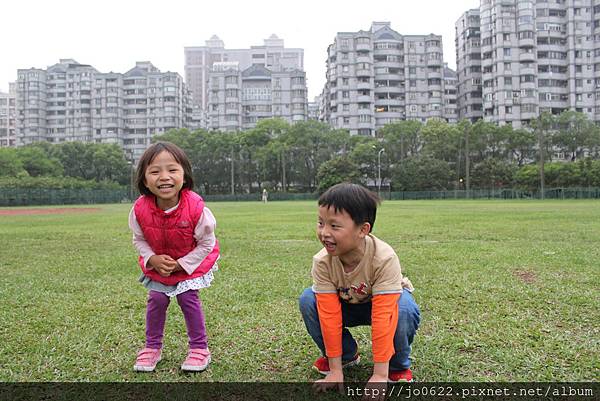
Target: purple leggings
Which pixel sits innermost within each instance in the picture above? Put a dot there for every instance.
(156, 315)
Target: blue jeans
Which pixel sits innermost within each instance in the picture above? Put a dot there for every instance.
(354, 315)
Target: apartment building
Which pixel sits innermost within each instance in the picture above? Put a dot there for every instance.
(239, 98)
(450, 94)
(8, 116)
(153, 103)
(468, 66)
(379, 76)
(536, 56)
(70, 101)
(313, 108)
(203, 63)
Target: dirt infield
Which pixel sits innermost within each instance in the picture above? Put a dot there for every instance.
(63, 210)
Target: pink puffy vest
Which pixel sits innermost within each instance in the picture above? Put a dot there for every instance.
(173, 234)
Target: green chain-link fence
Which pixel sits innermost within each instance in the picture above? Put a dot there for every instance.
(551, 193)
(31, 197)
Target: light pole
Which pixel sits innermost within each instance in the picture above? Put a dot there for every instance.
(232, 174)
(131, 179)
(379, 170)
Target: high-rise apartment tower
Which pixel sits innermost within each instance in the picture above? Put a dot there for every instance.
(379, 76)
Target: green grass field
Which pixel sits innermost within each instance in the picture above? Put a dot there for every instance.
(509, 291)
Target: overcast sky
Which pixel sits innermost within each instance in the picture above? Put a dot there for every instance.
(112, 35)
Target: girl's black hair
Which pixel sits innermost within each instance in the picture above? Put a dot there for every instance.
(149, 155)
(360, 203)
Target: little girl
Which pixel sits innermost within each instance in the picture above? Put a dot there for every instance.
(174, 235)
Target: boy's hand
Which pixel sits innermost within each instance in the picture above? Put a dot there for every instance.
(163, 264)
(333, 380)
(377, 387)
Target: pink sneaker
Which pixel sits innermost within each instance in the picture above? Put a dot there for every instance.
(146, 360)
(197, 360)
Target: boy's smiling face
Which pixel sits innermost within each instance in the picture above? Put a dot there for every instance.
(338, 233)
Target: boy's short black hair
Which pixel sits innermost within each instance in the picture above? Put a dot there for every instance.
(360, 203)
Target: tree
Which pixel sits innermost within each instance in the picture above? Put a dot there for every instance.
(575, 133)
(402, 139)
(10, 163)
(311, 143)
(209, 154)
(364, 155)
(520, 145)
(37, 162)
(76, 158)
(421, 174)
(441, 140)
(273, 157)
(109, 163)
(337, 170)
(493, 173)
(251, 142)
(273, 127)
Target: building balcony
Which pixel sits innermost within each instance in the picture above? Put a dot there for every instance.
(434, 62)
(364, 72)
(364, 85)
(386, 115)
(486, 48)
(527, 115)
(486, 76)
(363, 46)
(389, 102)
(528, 85)
(393, 52)
(364, 59)
(487, 62)
(364, 99)
(527, 56)
(381, 89)
(389, 76)
(389, 64)
(528, 71)
(527, 42)
(366, 125)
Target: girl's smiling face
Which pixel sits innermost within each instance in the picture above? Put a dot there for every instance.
(164, 177)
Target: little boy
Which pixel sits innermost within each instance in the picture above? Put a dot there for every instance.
(357, 281)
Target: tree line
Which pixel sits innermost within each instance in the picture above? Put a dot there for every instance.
(310, 156)
(405, 156)
(74, 165)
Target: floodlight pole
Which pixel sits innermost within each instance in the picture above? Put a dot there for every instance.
(379, 170)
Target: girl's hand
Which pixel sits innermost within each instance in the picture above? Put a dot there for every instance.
(163, 264)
